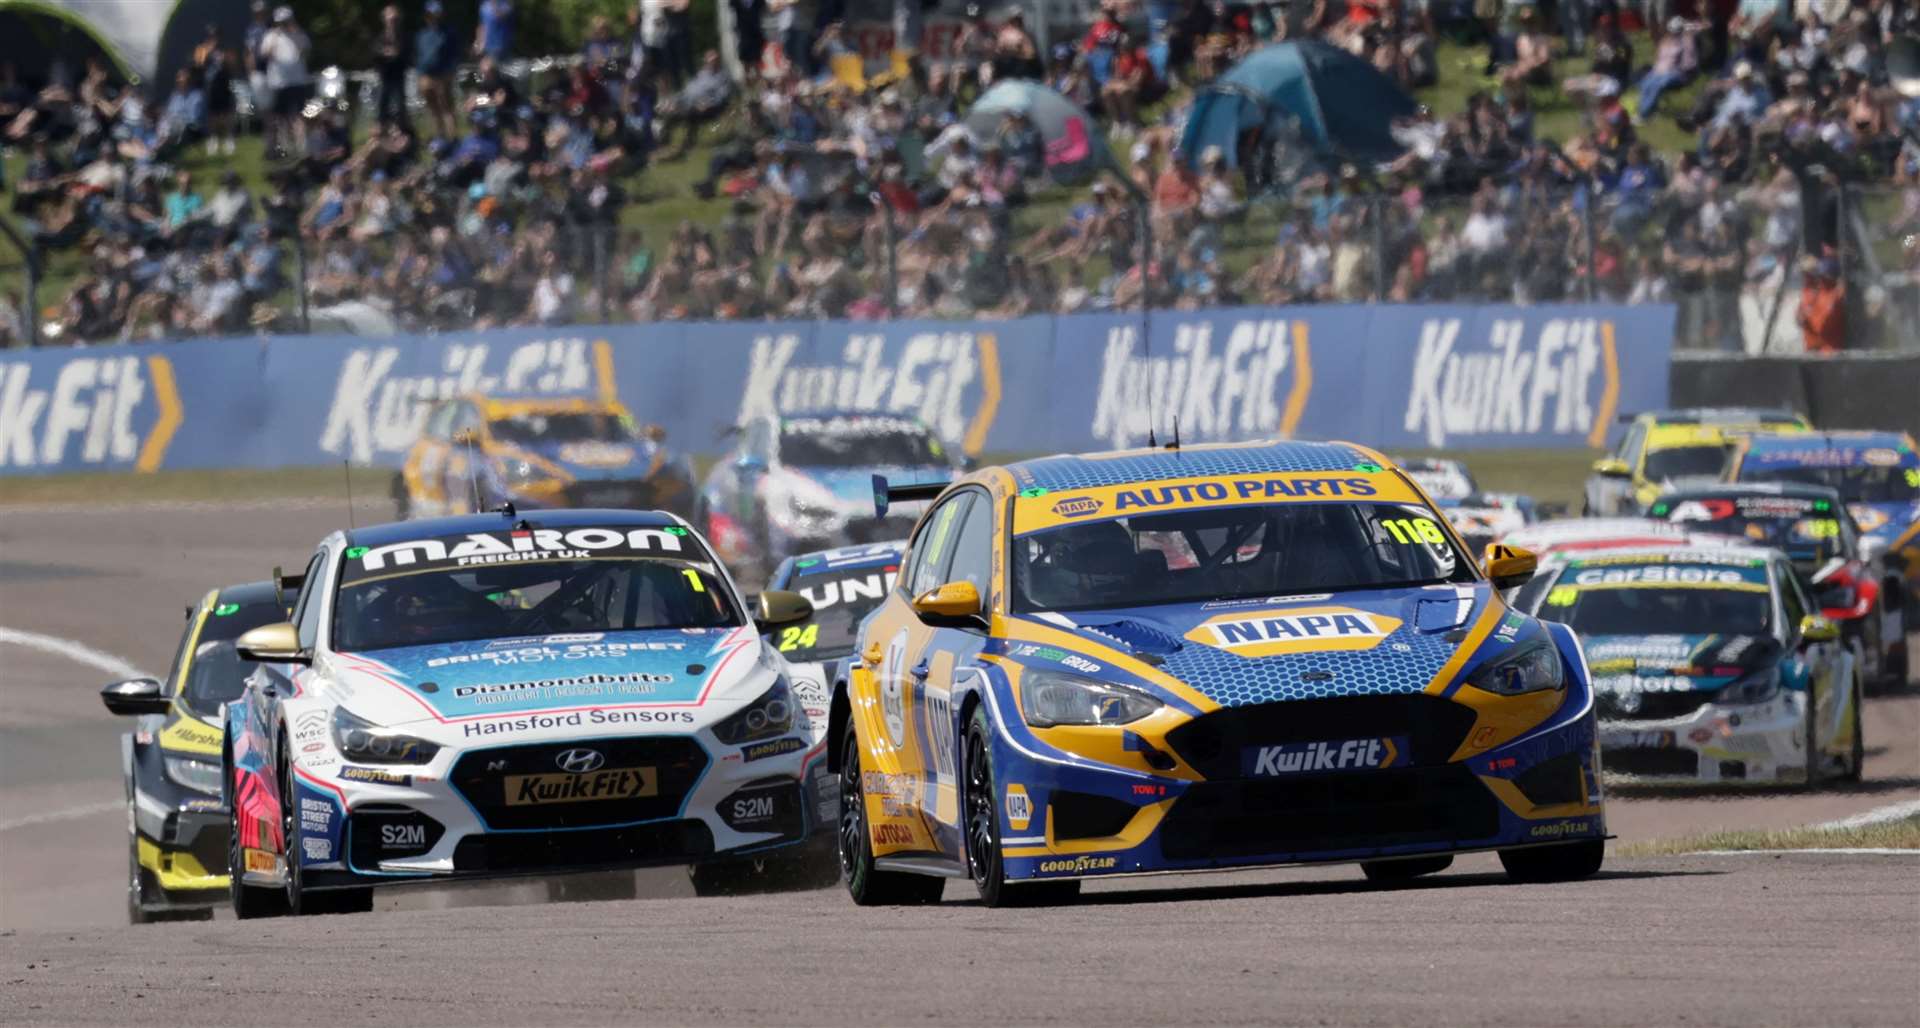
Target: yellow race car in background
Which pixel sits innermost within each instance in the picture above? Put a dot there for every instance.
(1663, 450)
(476, 452)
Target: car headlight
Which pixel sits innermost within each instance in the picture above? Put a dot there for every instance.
(765, 718)
(1754, 687)
(526, 472)
(198, 775)
(1049, 698)
(368, 743)
(1534, 667)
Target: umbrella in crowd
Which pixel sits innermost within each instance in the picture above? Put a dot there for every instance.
(1331, 100)
(1076, 149)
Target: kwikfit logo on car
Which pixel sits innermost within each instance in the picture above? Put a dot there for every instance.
(1300, 758)
(1515, 386)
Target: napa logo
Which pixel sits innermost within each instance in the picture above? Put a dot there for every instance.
(1296, 630)
(1077, 507)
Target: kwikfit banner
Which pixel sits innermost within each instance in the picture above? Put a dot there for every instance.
(1395, 377)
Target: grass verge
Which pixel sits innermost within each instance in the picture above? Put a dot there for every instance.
(1903, 834)
(1547, 475)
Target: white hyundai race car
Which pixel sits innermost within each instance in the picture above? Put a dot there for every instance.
(496, 694)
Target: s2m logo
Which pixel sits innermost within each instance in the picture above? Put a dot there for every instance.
(753, 808)
(403, 836)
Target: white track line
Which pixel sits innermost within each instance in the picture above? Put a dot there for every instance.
(1878, 815)
(1874, 851)
(68, 814)
(79, 653)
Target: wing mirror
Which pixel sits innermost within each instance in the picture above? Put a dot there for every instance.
(272, 644)
(778, 607)
(953, 604)
(1612, 467)
(1509, 567)
(135, 696)
(1817, 629)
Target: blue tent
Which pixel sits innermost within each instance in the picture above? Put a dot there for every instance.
(1334, 101)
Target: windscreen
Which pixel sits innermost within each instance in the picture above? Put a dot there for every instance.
(527, 581)
(1220, 553)
(841, 597)
(1857, 484)
(216, 674)
(857, 442)
(577, 427)
(1676, 462)
(1806, 529)
(1622, 597)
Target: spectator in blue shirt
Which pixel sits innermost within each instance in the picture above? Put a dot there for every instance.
(434, 58)
(184, 118)
(494, 36)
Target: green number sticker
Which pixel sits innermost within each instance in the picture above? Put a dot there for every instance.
(356, 552)
(1408, 531)
(1562, 596)
(794, 637)
(226, 608)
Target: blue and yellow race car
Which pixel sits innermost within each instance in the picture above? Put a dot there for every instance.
(1878, 475)
(1209, 658)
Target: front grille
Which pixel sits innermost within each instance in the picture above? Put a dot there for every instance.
(1214, 743)
(1668, 762)
(489, 779)
(663, 842)
(1079, 815)
(1647, 706)
(1329, 812)
(209, 847)
(1552, 781)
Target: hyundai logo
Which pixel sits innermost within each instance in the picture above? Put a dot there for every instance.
(580, 762)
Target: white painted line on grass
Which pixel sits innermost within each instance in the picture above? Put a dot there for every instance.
(79, 653)
(68, 814)
(1878, 815)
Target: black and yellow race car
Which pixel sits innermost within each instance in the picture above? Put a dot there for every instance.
(177, 838)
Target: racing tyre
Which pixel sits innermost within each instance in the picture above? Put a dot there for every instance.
(249, 901)
(981, 805)
(299, 901)
(869, 886)
(137, 913)
(1561, 863)
(1404, 870)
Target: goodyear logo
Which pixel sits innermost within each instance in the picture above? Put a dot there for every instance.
(373, 776)
(1299, 630)
(1077, 507)
(1299, 758)
(775, 748)
(1077, 865)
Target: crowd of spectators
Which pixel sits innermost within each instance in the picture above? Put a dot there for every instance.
(470, 190)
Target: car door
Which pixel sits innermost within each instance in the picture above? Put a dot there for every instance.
(1826, 668)
(948, 648)
(906, 809)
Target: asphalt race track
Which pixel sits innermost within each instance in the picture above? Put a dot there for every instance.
(86, 593)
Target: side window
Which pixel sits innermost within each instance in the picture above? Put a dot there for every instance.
(934, 545)
(973, 548)
(1631, 446)
(306, 610)
(1791, 599)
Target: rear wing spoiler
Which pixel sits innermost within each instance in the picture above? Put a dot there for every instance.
(885, 495)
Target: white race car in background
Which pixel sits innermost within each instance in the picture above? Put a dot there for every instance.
(1480, 517)
(494, 695)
